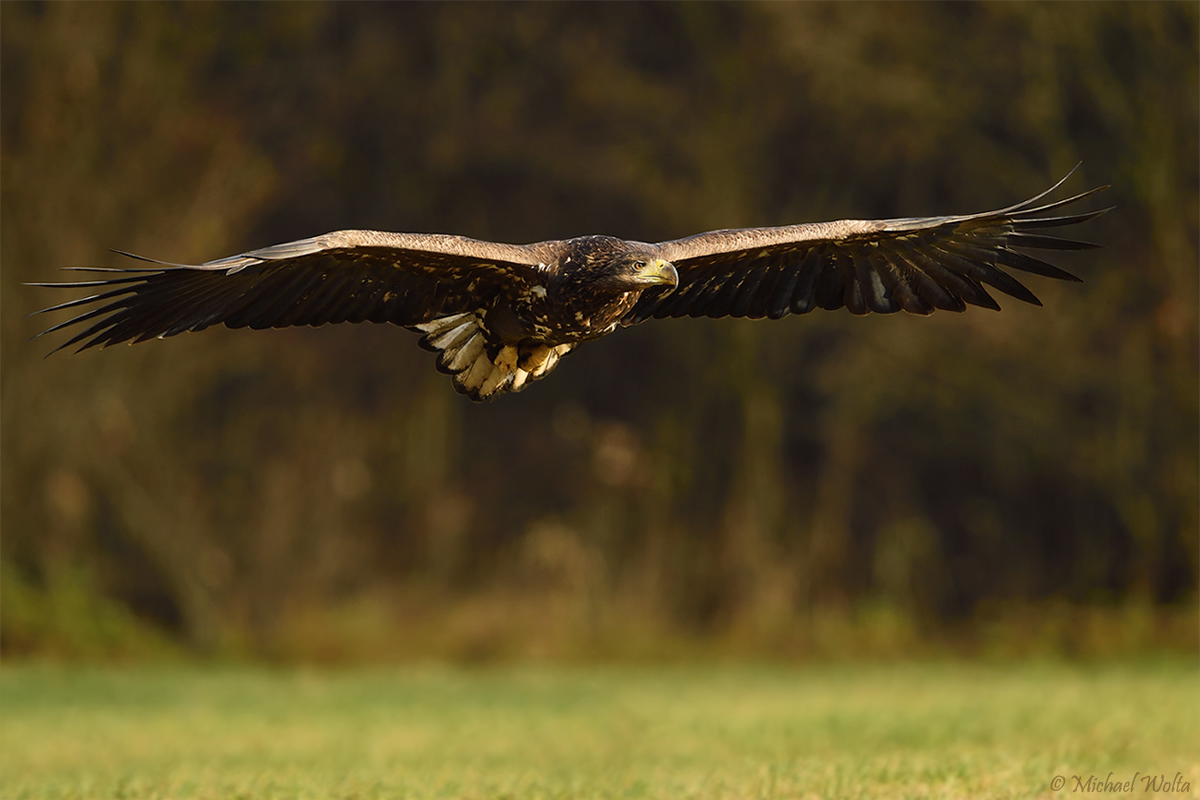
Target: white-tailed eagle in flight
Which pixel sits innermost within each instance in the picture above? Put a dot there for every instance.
(500, 316)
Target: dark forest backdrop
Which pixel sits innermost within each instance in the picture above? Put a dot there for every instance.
(824, 483)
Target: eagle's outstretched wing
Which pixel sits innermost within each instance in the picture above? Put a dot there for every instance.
(916, 265)
(345, 276)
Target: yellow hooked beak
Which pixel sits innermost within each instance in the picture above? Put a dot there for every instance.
(659, 271)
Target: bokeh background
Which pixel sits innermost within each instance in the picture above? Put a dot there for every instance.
(978, 483)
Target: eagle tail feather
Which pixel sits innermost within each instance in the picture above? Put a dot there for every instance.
(479, 367)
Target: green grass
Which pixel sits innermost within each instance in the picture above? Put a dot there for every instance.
(869, 731)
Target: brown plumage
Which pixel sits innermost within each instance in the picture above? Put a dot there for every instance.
(502, 315)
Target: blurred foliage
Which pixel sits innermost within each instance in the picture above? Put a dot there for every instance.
(788, 487)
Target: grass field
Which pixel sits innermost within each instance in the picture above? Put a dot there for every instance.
(869, 731)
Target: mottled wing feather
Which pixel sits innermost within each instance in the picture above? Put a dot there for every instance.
(346, 276)
(917, 264)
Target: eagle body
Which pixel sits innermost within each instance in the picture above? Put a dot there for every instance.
(583, 290)
(500, 316)
(592, 283)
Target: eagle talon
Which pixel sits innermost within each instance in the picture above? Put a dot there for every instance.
(534, 358)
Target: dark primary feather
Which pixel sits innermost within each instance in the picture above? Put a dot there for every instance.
(916, 265)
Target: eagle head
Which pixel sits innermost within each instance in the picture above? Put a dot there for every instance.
(636, 270)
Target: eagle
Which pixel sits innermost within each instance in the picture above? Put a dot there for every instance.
(500, 316)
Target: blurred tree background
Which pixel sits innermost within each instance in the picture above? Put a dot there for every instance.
(822, 484)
